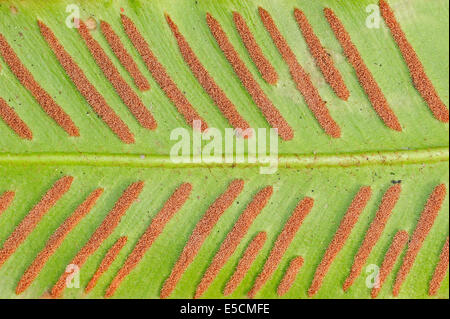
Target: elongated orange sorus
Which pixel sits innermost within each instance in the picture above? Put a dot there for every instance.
(200, 233)
(30, 221)
(347, 223)
(423, 227)
(419, 78)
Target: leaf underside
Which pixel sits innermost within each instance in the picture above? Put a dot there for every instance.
(332, 186)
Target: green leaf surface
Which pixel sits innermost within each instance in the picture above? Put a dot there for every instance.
(312, 164)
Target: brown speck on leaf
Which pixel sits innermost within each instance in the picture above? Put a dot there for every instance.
(13, 9)
(91, 23)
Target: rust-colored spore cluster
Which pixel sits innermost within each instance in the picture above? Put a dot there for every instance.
(106, 262)
(56, 240)
(233, 238)
(126, 93)
(394, 251)
(206, 81)
(282, 243)
(5, 200)
(374, 232)
(102, 232)
(246, 261)
(264, 67)
(25, 77)
(30, 221)
(348, 222)
(440, 271)
(90, 93)
(270, 112)
(156, 227)
(301, 78)
(200, 233)
(363, 73)
(124, 57)
(290, 275)
(416, 69)
(423, 227)
(13, 120)
(159, 73)
(322, 58)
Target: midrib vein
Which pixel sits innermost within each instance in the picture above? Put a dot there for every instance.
(292, 161)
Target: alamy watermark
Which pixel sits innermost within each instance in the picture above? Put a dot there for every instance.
(253, 146)
(373, 19)
(373, 278)
(73, 279)
(73, 19)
